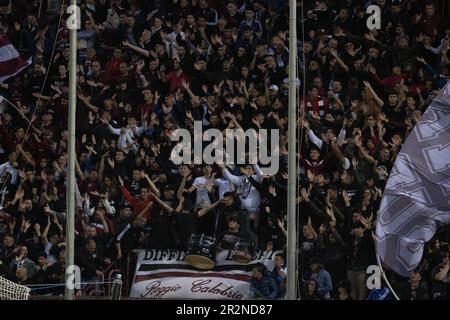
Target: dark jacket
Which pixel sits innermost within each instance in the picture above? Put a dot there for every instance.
(88, 264)
(420, 293)
(361, 252)
(266, 287)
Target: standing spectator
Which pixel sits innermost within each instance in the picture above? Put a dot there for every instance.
(440, 277)
(249, 195)
(322, 278)
(20, 261)
(361, 255)
(280, 273)
(415, 288)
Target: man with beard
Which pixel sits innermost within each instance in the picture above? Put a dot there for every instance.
(176, 76)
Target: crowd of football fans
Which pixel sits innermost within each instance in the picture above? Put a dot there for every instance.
(147, 68)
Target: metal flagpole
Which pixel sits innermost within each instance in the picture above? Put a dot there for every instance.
(70, 188)
(291, 293)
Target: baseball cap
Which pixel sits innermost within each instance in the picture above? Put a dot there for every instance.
(274, 87)
(125, 205)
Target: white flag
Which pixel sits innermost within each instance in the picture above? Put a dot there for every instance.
(416, 201)
(11, 62)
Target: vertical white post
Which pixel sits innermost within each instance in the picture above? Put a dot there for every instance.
(70, 188)
(292, 157)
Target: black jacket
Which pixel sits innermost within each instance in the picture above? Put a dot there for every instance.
(361, 252)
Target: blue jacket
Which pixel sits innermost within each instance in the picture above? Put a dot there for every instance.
(324, 284)
(380, 294)
(266, 287)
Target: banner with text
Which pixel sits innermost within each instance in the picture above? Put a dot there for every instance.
(164, 274)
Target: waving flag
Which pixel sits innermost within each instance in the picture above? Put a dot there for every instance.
(11, 62)
(416, 201)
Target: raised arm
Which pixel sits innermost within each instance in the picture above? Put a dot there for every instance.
(358, 143)
(136, 48)
(339, 61)
(45, 233)
(339, 154)
(441, 275)
(101, 169)
(87, 205)
(58, 225)
(259, 174)
(374, 94)
(127, 195)
(342, 133)
(282, 227)
(163, 205)
(207, 209)
(312, 137)
(141, 214)
(151, 184)
(87, 102)
(227, 175)
(26, 155)
(110, 127)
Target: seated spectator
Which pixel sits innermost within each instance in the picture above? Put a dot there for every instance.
(230, 237)
(263, 285)
(311, 291)
(344, 291)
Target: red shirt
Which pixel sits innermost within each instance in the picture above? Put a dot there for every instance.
(175, 80)
(317, 105)
(427, 24)
(138, 204)
(146, 107)
(390, 81)
(112, 71)
(316, 167)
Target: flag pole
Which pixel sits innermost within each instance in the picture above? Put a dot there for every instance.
(383, 274)
(70, 188)
(291, 292)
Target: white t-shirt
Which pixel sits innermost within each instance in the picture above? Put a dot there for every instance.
(224, 186)
(51, 259)
(202, 199)
(250, 198)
